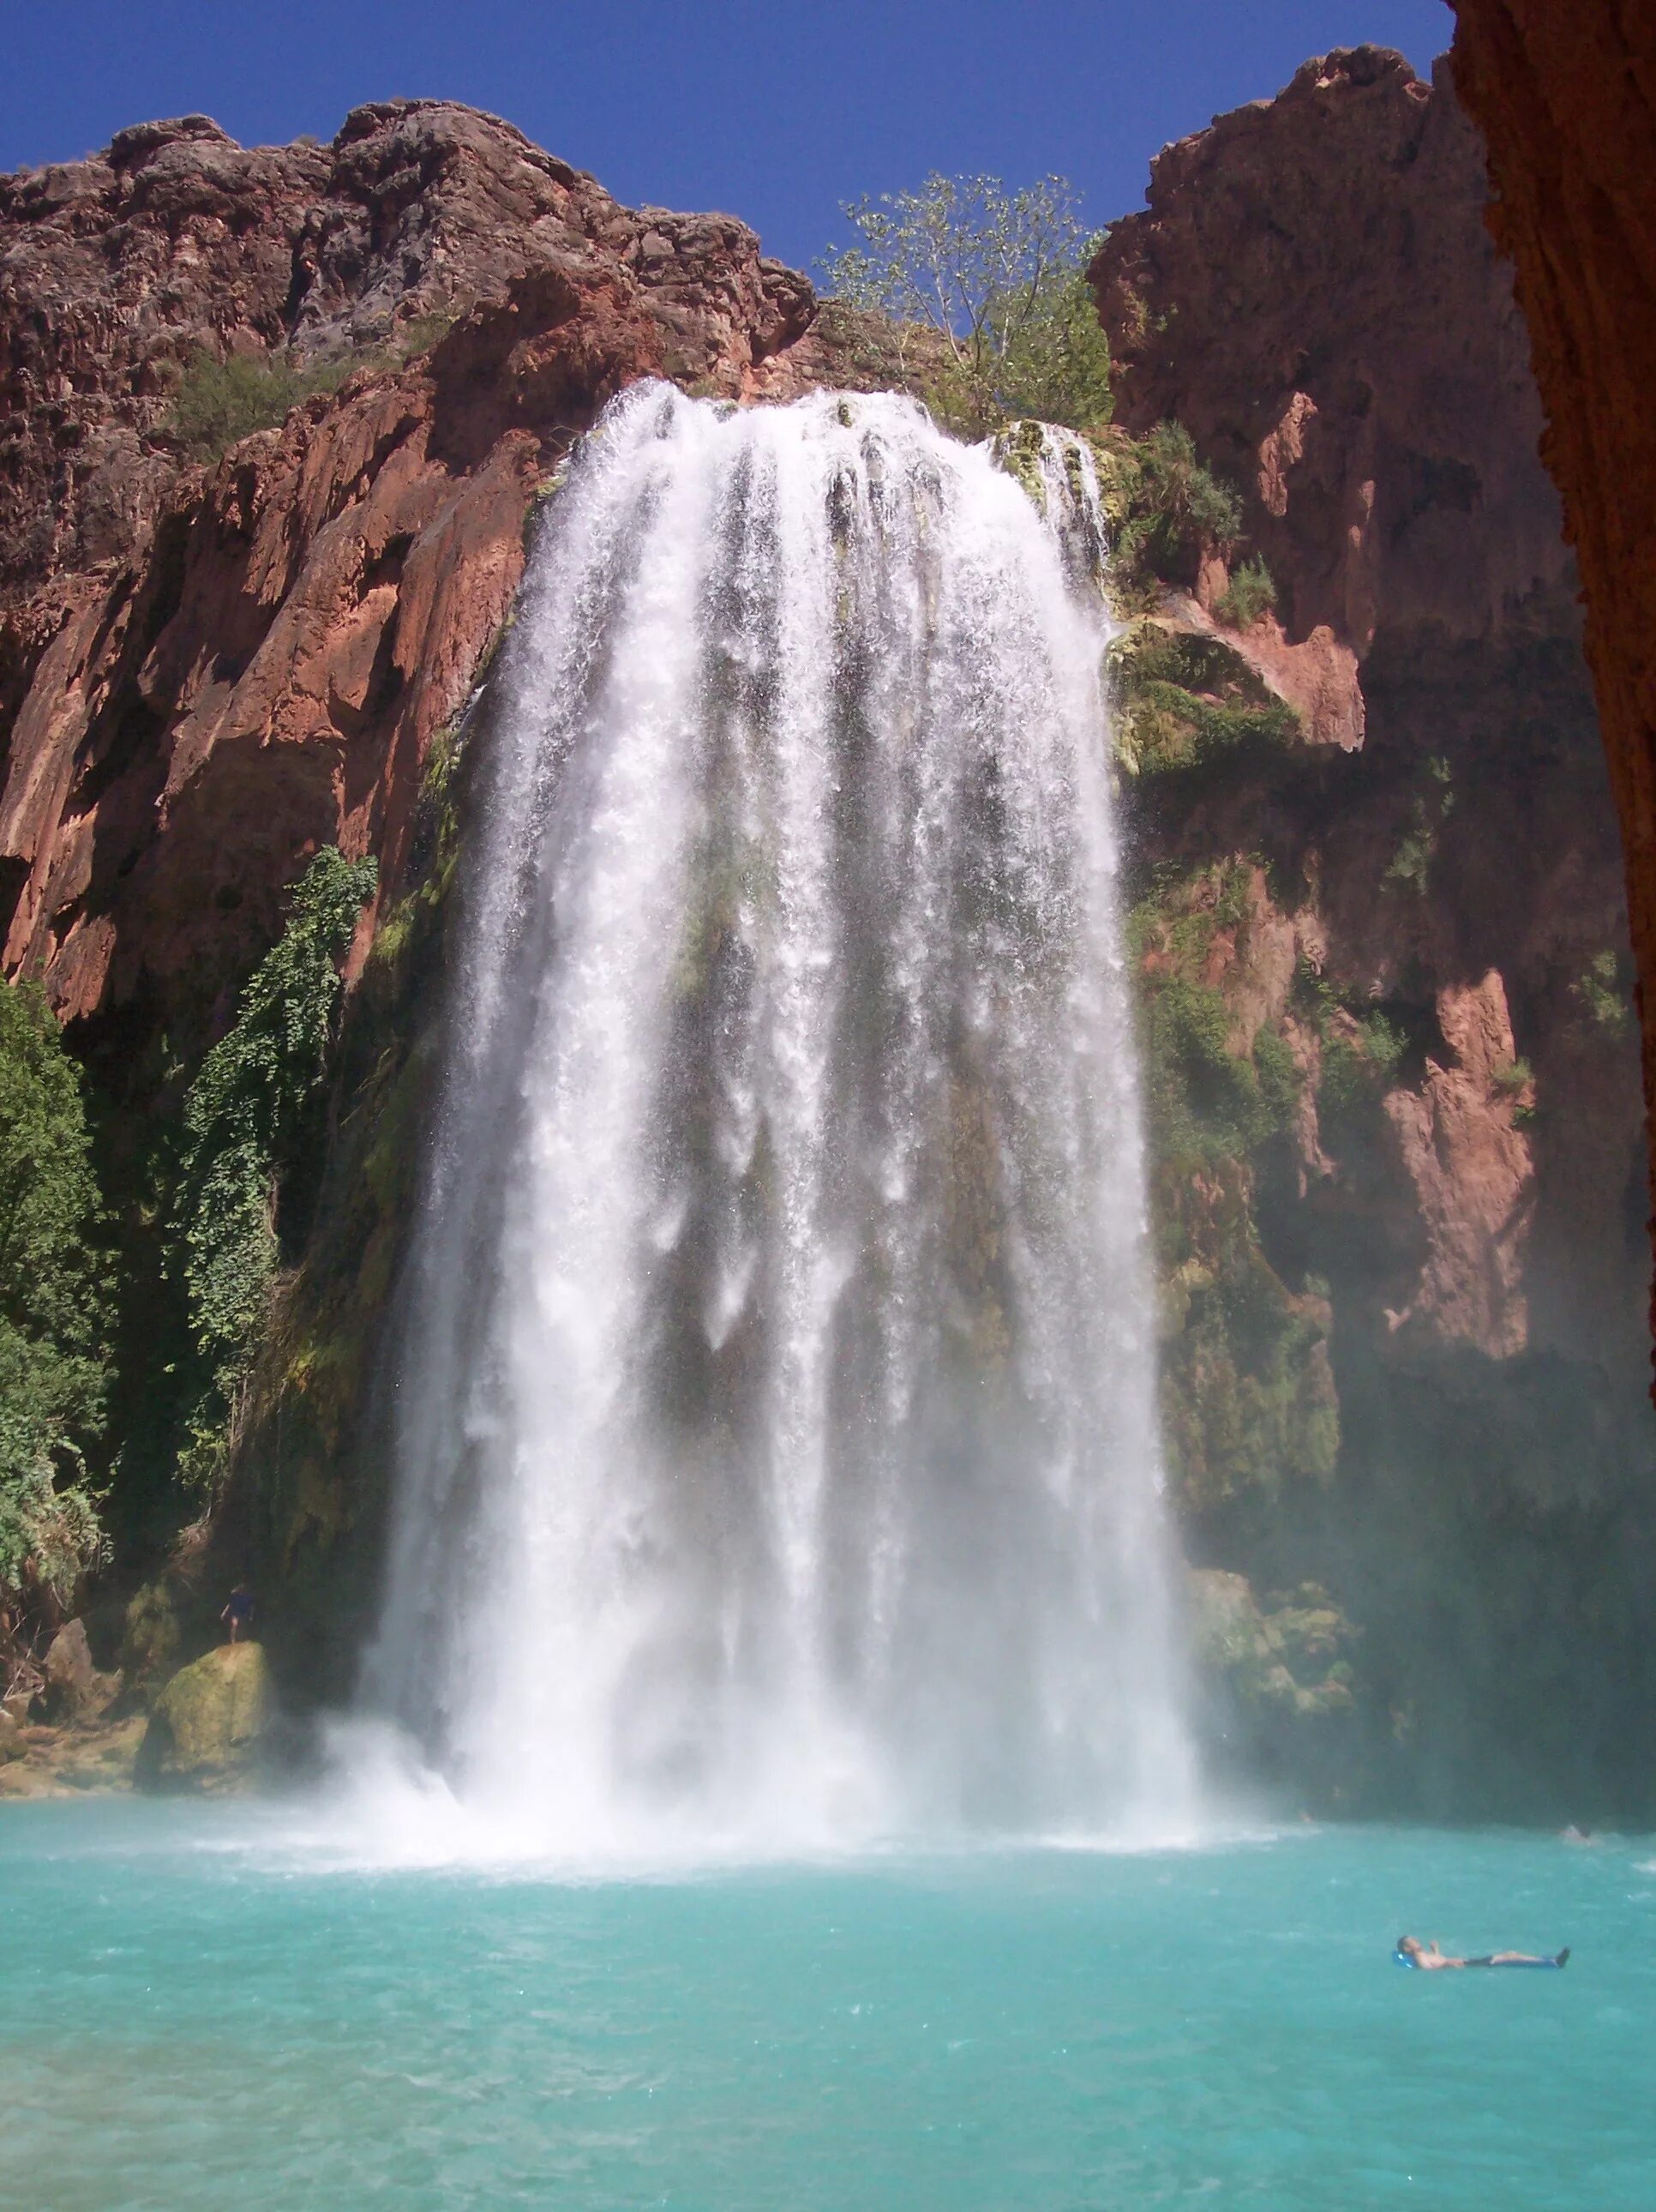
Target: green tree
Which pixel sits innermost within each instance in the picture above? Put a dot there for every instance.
(244, 1117)
(53, 1306)
(999, 276)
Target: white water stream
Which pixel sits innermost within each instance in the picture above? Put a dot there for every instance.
(777, 1460)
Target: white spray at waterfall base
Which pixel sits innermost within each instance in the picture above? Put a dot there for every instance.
(776, 1450)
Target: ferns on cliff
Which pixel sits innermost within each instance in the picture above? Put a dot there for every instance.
(1184, 701)
(54, 1312)
(243, 1119)
(1177, 511)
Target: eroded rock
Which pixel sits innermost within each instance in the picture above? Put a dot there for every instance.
(1567, 101)
(206, 674)
(71, 1689)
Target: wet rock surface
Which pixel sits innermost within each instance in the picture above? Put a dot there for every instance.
(206, 1728)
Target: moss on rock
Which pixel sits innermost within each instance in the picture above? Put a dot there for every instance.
(1185, 700)
(1289, 1658)
(207, 1726)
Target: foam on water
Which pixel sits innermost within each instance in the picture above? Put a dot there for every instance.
(776, 1453)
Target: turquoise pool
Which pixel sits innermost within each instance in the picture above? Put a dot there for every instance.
(203, 2010)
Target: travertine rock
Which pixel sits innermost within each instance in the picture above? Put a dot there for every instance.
(206, 1726)
(1312, 291)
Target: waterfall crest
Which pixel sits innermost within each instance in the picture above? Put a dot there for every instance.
(776, 1455)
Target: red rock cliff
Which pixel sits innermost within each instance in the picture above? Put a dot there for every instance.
(1565, 98)
(205, 673)
(1312, 293)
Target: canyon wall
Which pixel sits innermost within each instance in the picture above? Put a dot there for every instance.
(1391, 1053)
(1405, 1342)
(206, 672)
(1566, 99)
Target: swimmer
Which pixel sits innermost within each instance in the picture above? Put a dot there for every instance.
(1431, 1957)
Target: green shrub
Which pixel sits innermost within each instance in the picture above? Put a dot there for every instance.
(1279, 1077)
(1359, 1066)
(1601, 990)
(1207, 1101)
(1252, 592)
(1183, 701)
(1171, 512)
(54, 1312)
(1428, 809)
(1511, 1076)
(219, 403)
(242, 1118)
(1411, 863)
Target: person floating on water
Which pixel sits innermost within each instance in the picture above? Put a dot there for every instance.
(237, 1614)
(1412, 1952)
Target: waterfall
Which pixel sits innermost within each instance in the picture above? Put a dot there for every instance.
(776, 1453)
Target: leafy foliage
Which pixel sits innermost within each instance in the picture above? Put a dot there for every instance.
(1184, 701)
(1601, 988)
(243, 1115)
(998, 276)
(1174, 510)
(53, 1305)
(220, 401)
(1428, 809)
(1251, 592)
(1247, 1398)
(1210, 1101)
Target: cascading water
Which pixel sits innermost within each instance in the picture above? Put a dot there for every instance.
(777, 1459)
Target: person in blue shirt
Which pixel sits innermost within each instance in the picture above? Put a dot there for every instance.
(237, 1614)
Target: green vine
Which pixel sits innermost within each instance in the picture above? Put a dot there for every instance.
(243, 1117)
(54, 1310)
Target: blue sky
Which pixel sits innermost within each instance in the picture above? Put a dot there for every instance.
(773, 111)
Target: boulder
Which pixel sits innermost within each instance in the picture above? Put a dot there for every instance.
(72, 1688)
(205, 1727)
(11, 1739)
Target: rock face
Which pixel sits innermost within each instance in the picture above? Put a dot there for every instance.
(206, 1726)
(1384, 431)
(206, 673)
(1566, 99)
(71, 1689)
(112, 268)
(1405, 1346)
